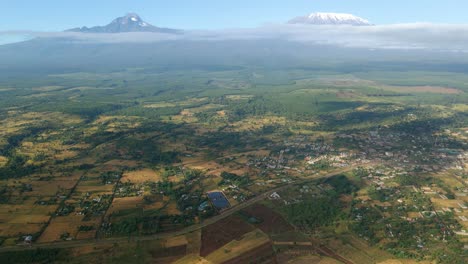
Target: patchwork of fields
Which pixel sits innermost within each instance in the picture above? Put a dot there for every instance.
(131, 160)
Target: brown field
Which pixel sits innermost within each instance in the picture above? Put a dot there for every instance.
(10, 212)
(160, 105)
(108, 119)
(262, 254)
(183, 117)
(3, 160)
(446, 203)
(221, 113)
(141, 176)
(8, 230)
(211, 182)
(239, 170)
(154, 206)
(216, 235)
(72, 177)
(122, 163)
(199, 163)
(29, 219)
(176, 241)
(421, 89)
(119, 204)
(413, 215)
(30, 201)
(194, 242)
(171, 209)
(358, 250)
(255, 123)
(236, 248)
(168, 255)
(49, 188)
(192, 259)
(52, 149)
(180, 146)
(239, 96)
(272, 222)
(450, 180)
(86, 235)
(117, 123)
(60, 225)
(96, 189)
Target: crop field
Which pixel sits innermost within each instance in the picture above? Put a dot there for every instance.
(215, 236)
(125, 203)
(62, 225)
(357, 251)
(270, 222)
(260, 253)
(249, 241)
(141, 176)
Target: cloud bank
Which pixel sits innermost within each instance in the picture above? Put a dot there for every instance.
(446, 37)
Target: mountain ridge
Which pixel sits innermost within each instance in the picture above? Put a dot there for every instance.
(131, 22)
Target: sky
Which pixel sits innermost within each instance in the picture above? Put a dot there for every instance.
(58, 15)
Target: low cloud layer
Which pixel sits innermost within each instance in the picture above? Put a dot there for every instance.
(399, 36)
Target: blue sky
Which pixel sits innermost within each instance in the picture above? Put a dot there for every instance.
(55, 15)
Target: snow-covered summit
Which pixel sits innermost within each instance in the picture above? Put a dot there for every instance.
(330, 19)
(128, 23)
(130, 18)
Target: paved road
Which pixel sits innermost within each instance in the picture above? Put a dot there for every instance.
(189, 229)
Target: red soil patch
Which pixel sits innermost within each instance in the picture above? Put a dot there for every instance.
(217, 235)
(272, 222)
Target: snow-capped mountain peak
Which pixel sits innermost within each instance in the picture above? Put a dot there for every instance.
(128, 19)
(330, 19)
(128, 23)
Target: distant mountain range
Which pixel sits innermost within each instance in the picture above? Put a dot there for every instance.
(129, 23)
(330, 19)
(133, 23)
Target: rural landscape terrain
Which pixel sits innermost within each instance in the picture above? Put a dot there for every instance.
(231, 152)
(235, 166)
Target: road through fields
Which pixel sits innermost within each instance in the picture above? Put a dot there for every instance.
(189, 229)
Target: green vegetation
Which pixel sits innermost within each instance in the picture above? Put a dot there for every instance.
(308, 215)
(231, 178)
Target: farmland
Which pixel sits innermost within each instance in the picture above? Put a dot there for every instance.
(160, 166)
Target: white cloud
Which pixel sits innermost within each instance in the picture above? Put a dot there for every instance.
(398, 36)
(8, 37)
